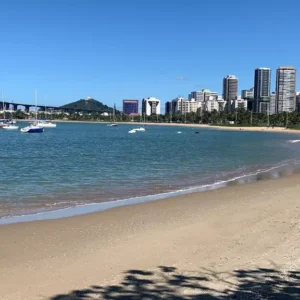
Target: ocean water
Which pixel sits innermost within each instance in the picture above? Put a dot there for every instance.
(78, 164)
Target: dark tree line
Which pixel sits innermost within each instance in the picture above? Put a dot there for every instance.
(240, 117)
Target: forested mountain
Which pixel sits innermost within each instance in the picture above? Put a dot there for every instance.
(89, 104)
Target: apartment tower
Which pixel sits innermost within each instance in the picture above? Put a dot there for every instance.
(285, 89)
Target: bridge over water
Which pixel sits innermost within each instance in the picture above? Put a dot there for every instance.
(15, 106)
(26, 107)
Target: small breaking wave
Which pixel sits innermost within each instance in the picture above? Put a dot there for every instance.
(284, 169)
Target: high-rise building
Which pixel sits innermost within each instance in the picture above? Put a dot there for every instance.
(168, 107)
(262, 83)
(151, 106)
(298, 102)
(272, 108)
(130, 107)
(230, 88)
(262, 86)
(285, 89)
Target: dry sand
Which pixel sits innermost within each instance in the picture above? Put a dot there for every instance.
(188, 247)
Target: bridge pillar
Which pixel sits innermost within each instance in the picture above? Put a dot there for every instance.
(27, 108)
(15, 107)
(6, 106)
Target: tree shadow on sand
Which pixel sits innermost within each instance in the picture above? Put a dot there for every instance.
(174, 284)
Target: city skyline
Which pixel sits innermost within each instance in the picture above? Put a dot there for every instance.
(263, 99)
(258, 99)
(76, 50)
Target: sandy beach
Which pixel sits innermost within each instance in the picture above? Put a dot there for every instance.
(240, 242)
(232, 128)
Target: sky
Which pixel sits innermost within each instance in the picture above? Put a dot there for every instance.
(131, 49)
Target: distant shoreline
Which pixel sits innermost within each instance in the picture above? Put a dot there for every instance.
(226, 128)
(231, 128)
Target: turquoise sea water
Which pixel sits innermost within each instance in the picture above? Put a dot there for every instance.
(77, 164)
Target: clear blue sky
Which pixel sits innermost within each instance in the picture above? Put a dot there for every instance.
(116, 49)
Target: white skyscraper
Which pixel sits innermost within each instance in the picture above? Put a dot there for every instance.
(151, 106)
(285, 89)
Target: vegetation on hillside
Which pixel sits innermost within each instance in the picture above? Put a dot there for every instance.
(88, 105)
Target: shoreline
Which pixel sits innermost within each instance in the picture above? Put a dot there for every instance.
(271, 173)
(218, 230)
(224, 128)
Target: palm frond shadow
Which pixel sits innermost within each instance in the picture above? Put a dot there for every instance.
(170, 283)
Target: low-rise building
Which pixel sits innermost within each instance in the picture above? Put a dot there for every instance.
(238, 104)
(197, 96)
(182, 105)
(246, 94)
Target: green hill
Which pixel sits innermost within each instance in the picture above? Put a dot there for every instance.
(89, 104)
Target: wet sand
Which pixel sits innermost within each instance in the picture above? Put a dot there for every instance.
(185, 246)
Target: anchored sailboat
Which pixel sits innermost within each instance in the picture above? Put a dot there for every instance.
(8, 125)
(113, 124)
(141, 128)
(33, 128)
(45, 123)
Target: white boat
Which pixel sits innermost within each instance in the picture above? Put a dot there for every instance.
(113, 124)
(10, 127)
(140, 129)
(3, 123)
(33, 128)
(45, 124)
(132, 131)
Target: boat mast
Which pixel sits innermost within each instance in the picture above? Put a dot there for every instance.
(114, 119)
(3, 105)
(35, 105)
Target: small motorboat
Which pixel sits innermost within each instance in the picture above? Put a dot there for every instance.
(10, 127)
(132, 131)
(32, 129)
(178, 132)
(140, 129)
(112, 125)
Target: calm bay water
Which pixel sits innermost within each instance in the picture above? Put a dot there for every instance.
(77, 164)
